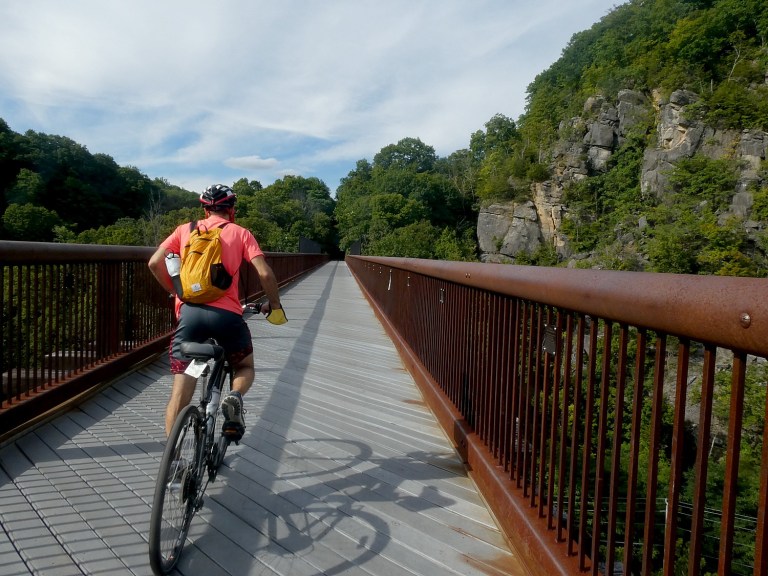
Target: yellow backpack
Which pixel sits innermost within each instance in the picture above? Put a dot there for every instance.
(203, 276)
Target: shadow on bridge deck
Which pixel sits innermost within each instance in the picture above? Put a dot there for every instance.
(343, 469)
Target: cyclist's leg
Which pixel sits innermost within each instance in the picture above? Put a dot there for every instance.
(239, 347)
(242, 379)
(243, 374)
(232, 404)
(181, 395)
(232, 332)
(190, 328)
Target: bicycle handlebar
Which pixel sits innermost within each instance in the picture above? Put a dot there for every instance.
(252, 308)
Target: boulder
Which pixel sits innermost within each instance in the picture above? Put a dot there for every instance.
(508, 229)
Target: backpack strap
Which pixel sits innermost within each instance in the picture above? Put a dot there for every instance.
(192, 228)
(193, 225)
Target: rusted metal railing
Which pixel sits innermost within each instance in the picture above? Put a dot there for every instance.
(73, 316)
(602, 414)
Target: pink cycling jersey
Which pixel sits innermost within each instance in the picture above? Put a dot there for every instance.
(238, 244)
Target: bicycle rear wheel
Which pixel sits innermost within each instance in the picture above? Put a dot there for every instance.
(175, 492)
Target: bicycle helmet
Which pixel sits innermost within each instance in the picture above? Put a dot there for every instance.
(218, 196)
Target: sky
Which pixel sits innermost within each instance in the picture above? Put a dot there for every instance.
(205, 92)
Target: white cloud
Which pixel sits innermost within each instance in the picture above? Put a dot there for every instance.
(251, 163)
(199, 92)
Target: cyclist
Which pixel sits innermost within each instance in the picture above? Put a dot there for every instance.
(221, 319)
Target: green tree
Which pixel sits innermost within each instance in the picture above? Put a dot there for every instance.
(451, 245)
(392, 211)
(245, 188)
(29, 186)
(500, 134)
(750, 457)
(494, 181)
(84, 189)
(461, 170)
(414, 240)
(287, 210)
(409, 154)
(30, 223)
(406, 183)
(124, 232)
(10, 144)
(685, 235)
(500, 158)
(606, 204)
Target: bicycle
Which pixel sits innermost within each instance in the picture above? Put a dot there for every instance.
(192, 452)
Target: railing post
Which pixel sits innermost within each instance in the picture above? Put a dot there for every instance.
(108, 310)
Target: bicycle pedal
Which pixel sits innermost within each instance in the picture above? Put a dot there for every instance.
(233, 436)
(233, 432)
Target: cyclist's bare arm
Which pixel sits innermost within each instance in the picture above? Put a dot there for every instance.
(157, 267)
(268, 283)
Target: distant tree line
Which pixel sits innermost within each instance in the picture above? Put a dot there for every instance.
(53, 189)
(407, 203)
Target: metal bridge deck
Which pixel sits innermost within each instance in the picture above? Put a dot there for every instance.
(343, 469)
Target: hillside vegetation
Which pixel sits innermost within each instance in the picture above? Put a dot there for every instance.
(717, 50)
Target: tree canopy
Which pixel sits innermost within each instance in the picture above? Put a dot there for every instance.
(407, 203)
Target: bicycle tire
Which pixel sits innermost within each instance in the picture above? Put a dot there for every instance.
(175, 498)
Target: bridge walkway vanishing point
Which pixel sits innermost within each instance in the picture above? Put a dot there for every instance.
(343, 468)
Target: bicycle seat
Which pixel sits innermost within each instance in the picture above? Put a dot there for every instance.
(202, 350)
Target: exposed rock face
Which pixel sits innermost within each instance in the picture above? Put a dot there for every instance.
(508, 229)
(584, 149)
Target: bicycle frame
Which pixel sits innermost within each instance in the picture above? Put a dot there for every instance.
(214, 447)
(210, 447)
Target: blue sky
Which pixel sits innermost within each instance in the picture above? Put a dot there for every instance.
(202, 92)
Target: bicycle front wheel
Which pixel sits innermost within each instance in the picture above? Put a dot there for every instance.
(175, 492)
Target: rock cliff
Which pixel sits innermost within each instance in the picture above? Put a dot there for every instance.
(584, 148)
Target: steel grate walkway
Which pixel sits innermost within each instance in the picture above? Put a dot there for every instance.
(343, 469)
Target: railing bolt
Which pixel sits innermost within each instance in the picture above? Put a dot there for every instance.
(745, 320)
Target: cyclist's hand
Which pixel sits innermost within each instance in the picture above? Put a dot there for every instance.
(275, 316)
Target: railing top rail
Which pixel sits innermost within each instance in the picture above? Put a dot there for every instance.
(731, 312)
(50, 252)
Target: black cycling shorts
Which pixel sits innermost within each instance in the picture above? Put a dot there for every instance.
(198, 323)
